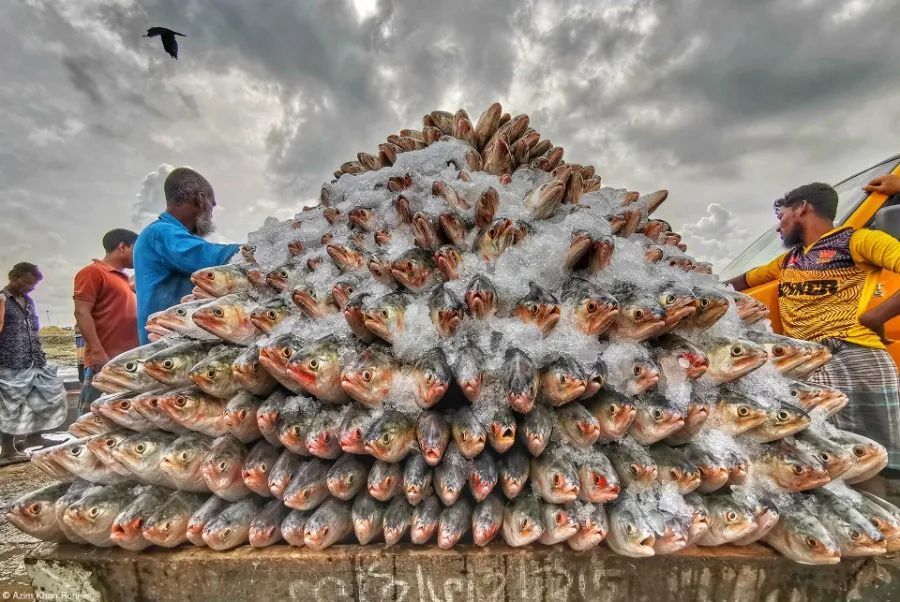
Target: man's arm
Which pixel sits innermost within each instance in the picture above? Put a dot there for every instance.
(2, 310)
(187, 253)
(85, 320)
(739, 283)
(888, 184)
(882, 250)
(764, 273)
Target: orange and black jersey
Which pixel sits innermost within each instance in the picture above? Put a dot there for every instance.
(823, 288)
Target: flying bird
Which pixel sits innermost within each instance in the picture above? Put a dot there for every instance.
(169, 43)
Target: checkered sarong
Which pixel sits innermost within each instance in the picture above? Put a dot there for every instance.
(869, 378)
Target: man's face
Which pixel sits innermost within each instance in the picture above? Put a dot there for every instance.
(128, 255)
(790, 223)
(204, 225)
(22, 285)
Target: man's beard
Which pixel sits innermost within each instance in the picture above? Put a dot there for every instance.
(792, 238)
(204, 226)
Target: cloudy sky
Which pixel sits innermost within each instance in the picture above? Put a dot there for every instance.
(726, 104)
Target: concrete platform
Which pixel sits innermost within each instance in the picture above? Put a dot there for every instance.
(412, 573)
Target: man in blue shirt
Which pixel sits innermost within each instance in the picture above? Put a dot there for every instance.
(170, 249)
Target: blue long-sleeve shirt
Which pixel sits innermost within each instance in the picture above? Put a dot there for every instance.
(165, 256)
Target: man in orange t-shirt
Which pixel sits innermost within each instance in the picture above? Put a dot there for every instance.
(106, 308)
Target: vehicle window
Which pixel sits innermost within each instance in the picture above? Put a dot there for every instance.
(768, 246)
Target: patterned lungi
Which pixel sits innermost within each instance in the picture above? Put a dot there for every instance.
(869, 378)
(31, 400)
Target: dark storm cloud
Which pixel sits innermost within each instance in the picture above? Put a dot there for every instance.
(82, 80)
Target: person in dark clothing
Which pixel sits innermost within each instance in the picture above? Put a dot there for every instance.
(32, 397)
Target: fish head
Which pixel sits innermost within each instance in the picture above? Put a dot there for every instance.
(266, 317)
(495, 239)
(595, 312)
(632, 533)
(342, 291)
(678, 302)
(385, 316)
(732, 359)
(317, 365)
(226, 317)
(644, 375)
(414, 269)
(543, 200)
(382, 237)
(640, 319)
(447, 259)
(433, 434)
(389, 436)
(364, 217)
(219, 280)
(432, 376)
(344, 257)
(807, 539)
(739, 414)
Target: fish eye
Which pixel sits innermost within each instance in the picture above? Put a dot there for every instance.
(797, 470)
(557, 480)
(737, 351)
(633, 469)
(167, 526)
(492, 232)
(34, 508)
(110, 443)
(94, 512)
(637, 370)
(629, 528)
(704, 303)
(168, 364)
(211, 374)
(286, 352)
(743, 411)
(384, 314)
(140, 448)
(180, 401)
(226, 533)
(131, 366)
(210, 275)
(271, 314)
(794, 392)
(613, 409)
(855, 535)
(534, 310)
(389, 482)
(782, 415)
(592, 306)
(638, 314)
(670, 299)
(523, 524)
(184, 456)
(561, 518)
(180, 312)
(385, 438)
(673, 473)
(242, 413)
(598, 480)
(812, 542)
(76, 451)
(223, 465)
(731, 515)
(314, 364)
(859, 452)
(124, 404)
(560, 378)
(218, 312)
(657, 414)
(778, 350)
(325, 530)
(367, 375)
(296, 430)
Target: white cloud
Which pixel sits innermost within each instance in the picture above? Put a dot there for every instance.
(150, 198)
(716, 237)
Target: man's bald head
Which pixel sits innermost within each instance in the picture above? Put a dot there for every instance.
(184, 185)
(190, 199)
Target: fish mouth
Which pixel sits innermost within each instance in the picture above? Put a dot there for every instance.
(698, 366)
(471, 388)
(677, 312)
(432, 455)
(520, 402)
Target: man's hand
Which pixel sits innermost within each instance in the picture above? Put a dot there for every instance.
(874, 321)
(888, 184)
(100, 360)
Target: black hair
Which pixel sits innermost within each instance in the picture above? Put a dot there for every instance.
(24, 268)
(183, 184)
(821, 197)
(113, 238)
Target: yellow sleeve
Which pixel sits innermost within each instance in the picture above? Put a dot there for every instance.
(877, 248)
(765, 273)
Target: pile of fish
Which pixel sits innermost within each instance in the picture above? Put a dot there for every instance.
(468, 339)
